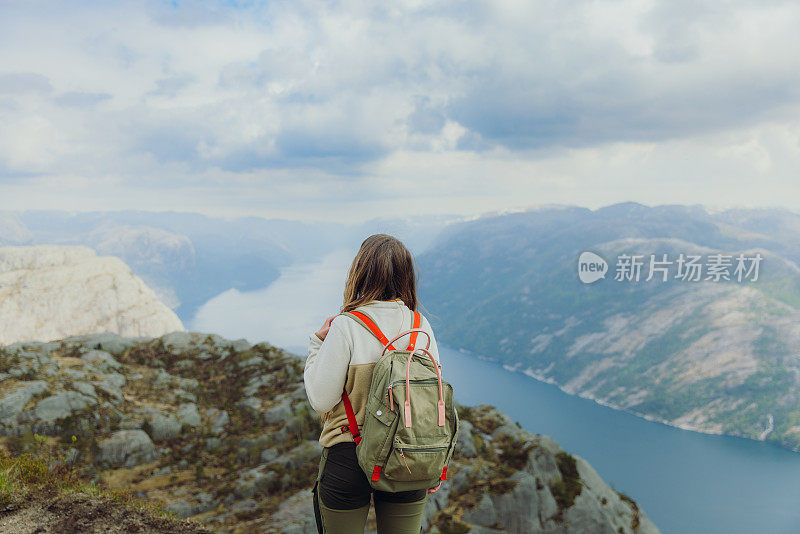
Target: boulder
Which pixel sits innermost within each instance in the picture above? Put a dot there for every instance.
(188, 415)
(163, 427)
(217, 420)
(127, 448)
(101, 360)
(12, 403)
(465, 442)
(61, 405)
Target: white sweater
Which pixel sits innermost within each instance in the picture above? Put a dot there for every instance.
(348, 346)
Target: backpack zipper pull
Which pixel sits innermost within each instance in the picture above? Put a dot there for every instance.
(403, 456)
(391, 400)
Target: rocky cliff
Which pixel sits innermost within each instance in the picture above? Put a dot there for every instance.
(222, 432)
(50, 292)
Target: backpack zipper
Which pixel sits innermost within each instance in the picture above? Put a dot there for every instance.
(403, 456)
(417, 381)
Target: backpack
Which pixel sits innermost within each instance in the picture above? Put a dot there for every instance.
(410, 424)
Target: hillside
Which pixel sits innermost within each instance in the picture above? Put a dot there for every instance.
(50, 292)
(222, 432)
(718, 357)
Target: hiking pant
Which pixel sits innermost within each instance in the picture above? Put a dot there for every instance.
(342, 492)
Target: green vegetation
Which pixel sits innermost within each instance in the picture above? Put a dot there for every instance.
(568, 487)
(30, 476)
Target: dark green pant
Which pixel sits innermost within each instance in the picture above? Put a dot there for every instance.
(342, 496)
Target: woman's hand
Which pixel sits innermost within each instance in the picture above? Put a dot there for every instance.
(434, 490)
(322, 332)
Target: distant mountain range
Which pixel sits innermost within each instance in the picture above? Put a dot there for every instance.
(714, 356)
(189, 258)
(720, 357)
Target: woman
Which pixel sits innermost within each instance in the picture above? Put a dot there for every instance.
(341, 355)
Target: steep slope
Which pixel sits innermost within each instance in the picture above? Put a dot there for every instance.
(50, 292)
(718, 357)
(221, 430)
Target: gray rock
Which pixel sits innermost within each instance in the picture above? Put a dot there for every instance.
(85, 389)
(217, 420)
(188, 415)
(163, 427)
(253, 481)
(461, 478)
(213, 443)
(483, 514)
(268, 455)
(101, 360)
(12, 404)
(247, 505)
(465, 442)
(107, 341)
(280, 412)
(255, 360)
(178, 342)
(182, 509)
(296, 515)
(305, 453)
(252, 405)
(61, 405)
(131, 421)
(128, 448)
(256, 382)
(185, 365)
(205, 502)
(109, 387)
(184, 396)
(240, 345)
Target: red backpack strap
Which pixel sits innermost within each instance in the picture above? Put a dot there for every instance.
(367, 322)
(352, 424)
(414, 324)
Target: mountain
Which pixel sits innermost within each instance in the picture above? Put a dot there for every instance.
(49, 292)
(12, 230)
(222, 432)
(713, 356)
(189, 258)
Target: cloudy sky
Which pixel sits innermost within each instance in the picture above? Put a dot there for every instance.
(343, 110)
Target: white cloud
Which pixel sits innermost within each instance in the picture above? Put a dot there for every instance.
(312, 109)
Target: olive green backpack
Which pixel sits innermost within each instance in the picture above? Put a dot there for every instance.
(410, 425)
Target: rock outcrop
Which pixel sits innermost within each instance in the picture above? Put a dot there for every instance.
(51, 292)
(222, 431)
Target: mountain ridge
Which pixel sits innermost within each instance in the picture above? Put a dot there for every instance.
(713, 357)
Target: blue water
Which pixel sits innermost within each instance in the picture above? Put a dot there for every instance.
(684, 481)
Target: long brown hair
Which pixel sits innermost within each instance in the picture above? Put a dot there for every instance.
(383, 269)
